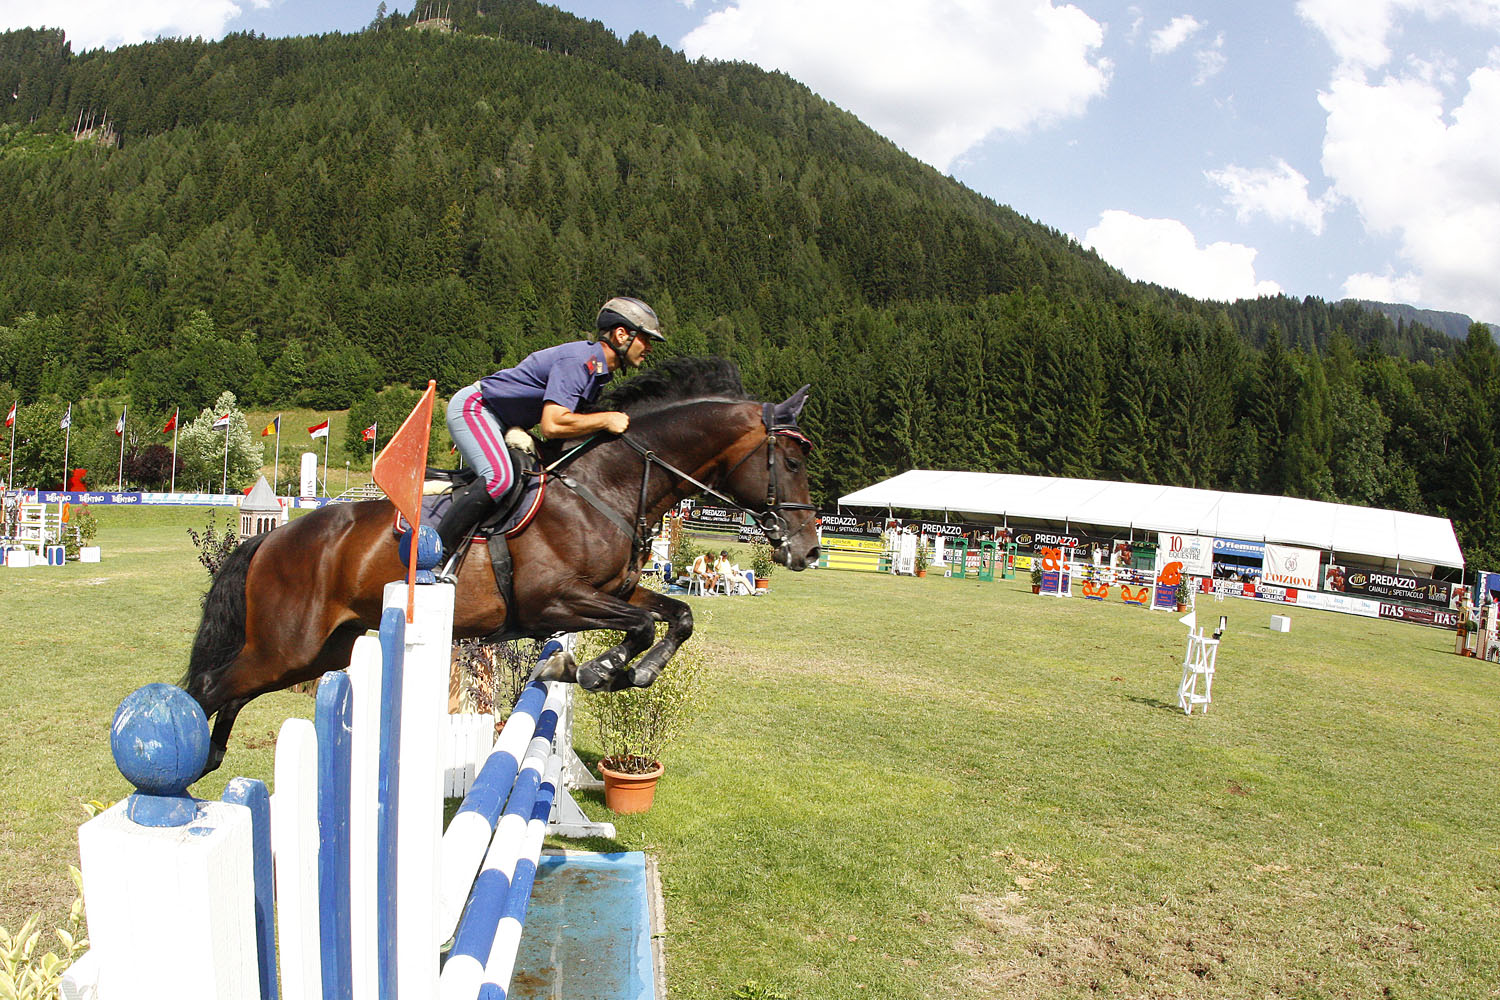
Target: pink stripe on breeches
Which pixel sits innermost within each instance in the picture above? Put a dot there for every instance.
(480, 439)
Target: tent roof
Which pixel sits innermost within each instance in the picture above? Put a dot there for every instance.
(1388, 534)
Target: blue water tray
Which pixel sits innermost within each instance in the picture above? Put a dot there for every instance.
(588, 930)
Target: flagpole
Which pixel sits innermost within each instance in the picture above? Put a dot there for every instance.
(277, 473)
(67, 441)
(120, 476)
(175, 412)
(326, 436)
(374, 441)
(224, 483)
(11, 481)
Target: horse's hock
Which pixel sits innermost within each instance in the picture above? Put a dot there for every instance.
(185, 897)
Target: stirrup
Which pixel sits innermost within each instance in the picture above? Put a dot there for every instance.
(448, 571)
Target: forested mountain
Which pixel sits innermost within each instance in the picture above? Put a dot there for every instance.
(1453, 324)
(309, 220)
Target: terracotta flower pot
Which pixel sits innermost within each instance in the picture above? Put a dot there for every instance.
(762, 583)
(1036, 588)
(629, 793)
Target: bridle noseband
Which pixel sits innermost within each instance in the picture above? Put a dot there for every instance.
(772, 521)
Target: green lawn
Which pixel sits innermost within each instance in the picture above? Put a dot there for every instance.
(904, 788)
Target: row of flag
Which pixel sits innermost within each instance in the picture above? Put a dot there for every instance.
(222, 423)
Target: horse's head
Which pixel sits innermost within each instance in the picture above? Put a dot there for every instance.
(771, 480)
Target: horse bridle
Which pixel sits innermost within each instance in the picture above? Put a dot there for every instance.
(772, 521)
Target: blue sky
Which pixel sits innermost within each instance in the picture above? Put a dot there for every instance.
(1317, 147)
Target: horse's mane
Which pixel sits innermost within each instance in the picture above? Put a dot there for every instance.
(673, 381)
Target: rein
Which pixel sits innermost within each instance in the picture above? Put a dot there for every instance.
(772, 521)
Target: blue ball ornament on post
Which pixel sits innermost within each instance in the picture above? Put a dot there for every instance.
(159, 739)
(429, 551)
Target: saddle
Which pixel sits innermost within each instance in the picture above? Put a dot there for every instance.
(512, 515)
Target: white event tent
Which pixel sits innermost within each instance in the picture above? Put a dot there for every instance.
(1378, 537)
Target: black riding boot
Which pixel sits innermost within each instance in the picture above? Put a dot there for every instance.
(471, 504)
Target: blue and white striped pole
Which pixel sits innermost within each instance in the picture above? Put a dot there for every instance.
(473, 827)
(464, 972)
(502, 963)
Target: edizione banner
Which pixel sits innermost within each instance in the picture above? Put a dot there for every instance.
(1290, 566)
(1387, 585)
(1195, 552)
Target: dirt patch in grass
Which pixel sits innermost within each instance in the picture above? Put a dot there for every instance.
(1027, 942)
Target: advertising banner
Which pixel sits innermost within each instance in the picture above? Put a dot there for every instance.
(851, 524)
(1489, 587)
(1440, 617)
(308, 476)
(1338, 602)
(1195, 552)
(1027, 538)
(1290, 566)
(714, 517)
(173, 499)
(1237, 550)
(1387, 585)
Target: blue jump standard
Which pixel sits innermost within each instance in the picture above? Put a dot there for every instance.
(588, 930)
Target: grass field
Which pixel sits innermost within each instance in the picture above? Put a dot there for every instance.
(904, 788)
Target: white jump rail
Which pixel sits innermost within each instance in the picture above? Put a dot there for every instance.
(179, 891)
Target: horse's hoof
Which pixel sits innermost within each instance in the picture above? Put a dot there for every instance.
(593, 677)
(643, 676)
(215, 758)
(560, 666)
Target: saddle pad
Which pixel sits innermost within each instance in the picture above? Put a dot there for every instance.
(510, 521)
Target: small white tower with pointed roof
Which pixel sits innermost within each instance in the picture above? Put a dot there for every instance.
(260, 510)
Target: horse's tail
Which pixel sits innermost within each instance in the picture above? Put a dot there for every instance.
(221, 634)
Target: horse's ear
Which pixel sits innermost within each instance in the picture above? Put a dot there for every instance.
(788, 412)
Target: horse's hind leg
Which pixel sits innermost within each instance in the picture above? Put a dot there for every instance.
(223, 723)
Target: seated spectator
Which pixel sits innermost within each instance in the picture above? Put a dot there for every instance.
(702, 571)
(722, 568)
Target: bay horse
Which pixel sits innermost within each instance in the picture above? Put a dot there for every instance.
(287, 605)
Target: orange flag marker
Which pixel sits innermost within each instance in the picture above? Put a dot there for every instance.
(400, 469)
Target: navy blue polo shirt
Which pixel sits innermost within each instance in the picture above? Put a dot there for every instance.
(569, 375)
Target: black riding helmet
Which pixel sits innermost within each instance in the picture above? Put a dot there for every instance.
(634, 315)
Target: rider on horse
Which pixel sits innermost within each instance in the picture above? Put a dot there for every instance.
(547, 389)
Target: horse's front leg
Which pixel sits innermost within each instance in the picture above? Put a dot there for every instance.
(581, 611)
(679, 618)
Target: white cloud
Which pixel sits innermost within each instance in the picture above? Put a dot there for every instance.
(937, 77)
(1386, 287)
(1427, 175)
(1175, 34)
(1358, 30)
(1165, 252)
(1210, 60)
(1278, 192)
(92, 24)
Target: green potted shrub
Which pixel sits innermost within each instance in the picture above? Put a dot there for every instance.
(636, 727)
(922, 560)
(1036, 575)
(1184, 593)
(762, 564)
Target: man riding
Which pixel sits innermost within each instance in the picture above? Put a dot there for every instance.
(546, 389)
